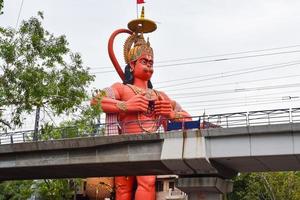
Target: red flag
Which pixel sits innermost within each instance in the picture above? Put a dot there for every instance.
(140, 1)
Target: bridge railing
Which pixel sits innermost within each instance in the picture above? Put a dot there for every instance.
(255, 118)
(227, 120)
(50, 134)
(267, 117)
(101, 129)
(295, 115)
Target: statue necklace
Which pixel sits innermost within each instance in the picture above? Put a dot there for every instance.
(150, 110)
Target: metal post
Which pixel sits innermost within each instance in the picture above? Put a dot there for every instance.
(290, 115)
(227, 121)
(11, 139)
(36, 124)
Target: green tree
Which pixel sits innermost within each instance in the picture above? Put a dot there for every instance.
(284, 185)
(16, 190)
(84, 125)
(266, 186)
(248, 186)
(38, 71)
(57, 189)
(1, 7)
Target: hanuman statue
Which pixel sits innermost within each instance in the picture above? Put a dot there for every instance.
(133, 106)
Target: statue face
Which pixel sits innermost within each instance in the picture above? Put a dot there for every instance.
(143, 68)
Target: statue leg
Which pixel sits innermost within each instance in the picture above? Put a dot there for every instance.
(123, 185)
(145, 188)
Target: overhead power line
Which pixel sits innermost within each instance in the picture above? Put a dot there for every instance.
(104, 72)
(225, 59)
(234, 100)
(239, 72)
(211, 56)
(228, 54)
(226, 72)
(239, 98)
(237, 105)
(218, 92)
(235, 83)
(208, 61)
(19, 14)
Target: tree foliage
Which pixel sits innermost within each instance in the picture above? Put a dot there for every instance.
(38, 69)
(1, 7)
(84, 125)
(16, 190)
(266, 186)
(57, 189)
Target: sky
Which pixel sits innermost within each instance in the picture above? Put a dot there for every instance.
(210, 56)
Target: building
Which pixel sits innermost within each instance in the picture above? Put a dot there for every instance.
(166, 189)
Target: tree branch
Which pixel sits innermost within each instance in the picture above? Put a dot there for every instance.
(5, 123)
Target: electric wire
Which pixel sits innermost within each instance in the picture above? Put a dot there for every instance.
(211, 56)
(242, 105)
(227, 54)
(223, 75)
(235, 83)
(238, 98)
(219, 92)
(19, 14)
(225, 59)
(215, 74)
(237, 102)
(209, 61)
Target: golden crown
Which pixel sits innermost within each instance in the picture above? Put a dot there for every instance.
(140, 46)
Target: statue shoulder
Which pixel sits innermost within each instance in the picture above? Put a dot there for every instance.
(116, 89)
(118, 85)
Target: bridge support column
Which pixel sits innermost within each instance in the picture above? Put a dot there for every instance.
(204, 188)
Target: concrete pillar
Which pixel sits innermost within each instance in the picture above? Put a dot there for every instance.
(204, 188)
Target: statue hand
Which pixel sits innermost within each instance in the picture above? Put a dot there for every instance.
(164, 108)
(137, 103)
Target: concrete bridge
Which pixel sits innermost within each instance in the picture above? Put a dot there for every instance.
(217, 154)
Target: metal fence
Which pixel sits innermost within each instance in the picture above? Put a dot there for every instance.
(255, 118)
(227, 120)
(51, 134)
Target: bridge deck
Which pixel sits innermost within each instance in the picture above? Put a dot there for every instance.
(212, 151)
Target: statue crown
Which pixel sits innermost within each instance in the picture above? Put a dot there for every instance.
(140, 46)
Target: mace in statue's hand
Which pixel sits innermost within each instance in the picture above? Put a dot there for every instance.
(164, 108)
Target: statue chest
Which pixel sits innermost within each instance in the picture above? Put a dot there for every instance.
(130, 91)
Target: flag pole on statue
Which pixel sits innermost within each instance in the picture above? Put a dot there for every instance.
(137, 8)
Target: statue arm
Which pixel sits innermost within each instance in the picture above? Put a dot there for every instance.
(179, 113)
(171, 109)
(114, 104)
(108, 98)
